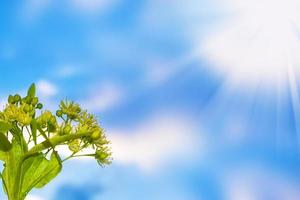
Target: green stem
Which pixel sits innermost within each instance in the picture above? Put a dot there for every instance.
(54, 141)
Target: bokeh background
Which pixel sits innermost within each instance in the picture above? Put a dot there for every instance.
(199, 97)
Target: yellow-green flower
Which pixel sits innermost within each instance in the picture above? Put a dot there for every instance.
(70, 109)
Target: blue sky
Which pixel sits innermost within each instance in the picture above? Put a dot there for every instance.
(199, 100)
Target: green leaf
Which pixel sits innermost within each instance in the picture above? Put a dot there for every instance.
(31, 91)
(53, 169)
(11, 158)
(38, 171)
(33, 127)
(4, 126)
(5, 145)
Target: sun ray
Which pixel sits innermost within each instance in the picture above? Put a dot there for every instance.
(295, 100)
(256, 52)
(249, 47)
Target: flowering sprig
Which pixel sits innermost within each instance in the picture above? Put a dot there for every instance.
(29, 137)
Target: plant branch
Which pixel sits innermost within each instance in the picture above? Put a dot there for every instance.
(55, 140)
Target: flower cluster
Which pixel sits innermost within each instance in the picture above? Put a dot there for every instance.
(78, 121)
(81, 128)
(21, 110)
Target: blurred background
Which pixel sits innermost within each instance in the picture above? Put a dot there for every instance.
(200, 98)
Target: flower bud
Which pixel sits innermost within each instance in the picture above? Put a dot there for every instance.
(103, 156)
(78, 109)
(52, 120)
(67, 129)
(26, 108)
(39, 106)
(11, 99)
(23, 100)
(72, 116)
(27, 100)
(46, 116)
(40, 122)
(59, 113)
(96, 135)
(34, 101)
(74, 146)
(17, 98)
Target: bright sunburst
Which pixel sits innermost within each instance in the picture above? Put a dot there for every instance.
(258, 42)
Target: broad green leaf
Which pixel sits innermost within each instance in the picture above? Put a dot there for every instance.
(33, 127)
(31, 91)
(5, 145)
(4, 126)
(53, 169)
(38, 171)
(32, 169)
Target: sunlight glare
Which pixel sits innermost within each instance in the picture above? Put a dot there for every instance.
(257, 42)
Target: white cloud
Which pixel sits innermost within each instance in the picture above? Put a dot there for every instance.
(34, 197)
(155, 142)
(257, 42)
(91, 6)
(158, 72)
(68, 70)
(259, 184)
(46, 89)
(104, 98)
